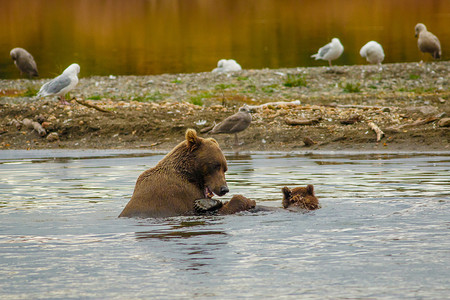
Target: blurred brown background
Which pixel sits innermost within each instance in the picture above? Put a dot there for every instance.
(183, 36)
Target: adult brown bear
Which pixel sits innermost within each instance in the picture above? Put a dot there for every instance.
(194, 169)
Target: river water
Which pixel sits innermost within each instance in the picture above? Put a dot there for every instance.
(383, 231)
(142, 37)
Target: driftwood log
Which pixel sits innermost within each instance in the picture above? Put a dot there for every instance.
(365, 107)
(417, 122)
(208, 128)
(254, 108)
(35, 126)
(377, 130)
(352, 120)
(16, 124)
(444, 122)
(92, 106)
(294, 122)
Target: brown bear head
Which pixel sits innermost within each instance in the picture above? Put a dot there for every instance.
(207, 164)
(300, 197)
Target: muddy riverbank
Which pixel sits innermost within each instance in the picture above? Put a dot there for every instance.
(409, 102)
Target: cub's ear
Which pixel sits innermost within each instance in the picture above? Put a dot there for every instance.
(192, 140)
(286, 196)
(286, 192)
(310, 189)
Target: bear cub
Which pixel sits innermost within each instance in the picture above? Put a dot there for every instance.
(293, 199)
(300, 197)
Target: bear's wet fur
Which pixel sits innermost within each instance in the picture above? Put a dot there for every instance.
(194, 169)
(300, 197)
(237, 203)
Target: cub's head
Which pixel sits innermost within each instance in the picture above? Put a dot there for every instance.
(208, 164)
(300, 197)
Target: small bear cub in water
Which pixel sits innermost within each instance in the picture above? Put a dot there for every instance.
(300, 197)
(293, 199)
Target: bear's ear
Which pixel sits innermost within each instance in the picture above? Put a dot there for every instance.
(286, 196)
(192, 140)
(310, 189)
(286, 192)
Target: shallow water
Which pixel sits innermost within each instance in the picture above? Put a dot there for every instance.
(141, 37)
(383, 230)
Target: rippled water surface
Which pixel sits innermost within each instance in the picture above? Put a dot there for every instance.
(383, 230)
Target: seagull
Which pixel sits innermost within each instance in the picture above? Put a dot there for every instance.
(62, 84)
(428, 42)
(24, 61)
(227, 65)
(235, 123)
(330, 51)
(373, 52)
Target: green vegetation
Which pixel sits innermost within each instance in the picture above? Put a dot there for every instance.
(249, 89)
(414, 76)
(417, 90)
(223, 86)
(293, 80)
(421, 90)
(177, 81)
(199, 98)
(377, 77)
(242, 78)
(94, 97)
(151, 97)
(197, 101)
(30, 92)
(269, 88)
(155, 96)
(350, 87)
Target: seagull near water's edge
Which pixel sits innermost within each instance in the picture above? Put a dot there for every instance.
(330, 51)
(62, 84)
(427, 42)
(227, 65)
(373, 52)
(24, 61)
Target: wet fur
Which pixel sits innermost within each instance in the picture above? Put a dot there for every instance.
(171, 187)
(300, 197)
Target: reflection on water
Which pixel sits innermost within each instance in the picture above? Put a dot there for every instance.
(142, 37)
(183, 228)
(175, 234)
(383, 230)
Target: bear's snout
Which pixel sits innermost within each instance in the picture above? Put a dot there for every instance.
(223, 190)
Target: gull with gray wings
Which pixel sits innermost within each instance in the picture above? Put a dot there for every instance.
(62, 84)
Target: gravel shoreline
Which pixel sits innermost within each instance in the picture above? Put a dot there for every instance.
(409, 102)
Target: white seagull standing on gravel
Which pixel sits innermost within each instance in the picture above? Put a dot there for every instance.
(330, 51)
(62, 84)
(227, 65)
(373, 52)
